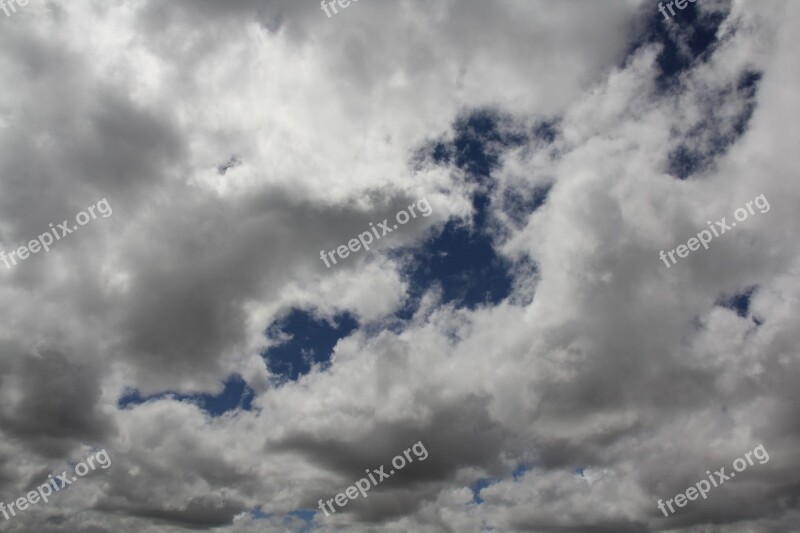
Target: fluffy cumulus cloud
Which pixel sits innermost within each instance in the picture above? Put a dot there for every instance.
(206, 176)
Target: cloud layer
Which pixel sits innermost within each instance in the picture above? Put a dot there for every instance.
(561, 376)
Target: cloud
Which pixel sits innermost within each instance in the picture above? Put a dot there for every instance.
(526, 331)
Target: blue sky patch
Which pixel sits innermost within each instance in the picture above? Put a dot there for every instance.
(688, 39)
(476, 487)
(480, 138)
(698, 31)
(738, 302)
(312, 341)
(547, 130)
(519, 203)
(461, 259)
(519, 471)
(258, 514)
(304, 515)
(711, 137)
(236, 395)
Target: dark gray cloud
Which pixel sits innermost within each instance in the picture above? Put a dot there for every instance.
(52, 401)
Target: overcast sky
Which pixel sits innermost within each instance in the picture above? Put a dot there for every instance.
(560, 375)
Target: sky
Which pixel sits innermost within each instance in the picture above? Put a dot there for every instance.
(546, 324)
